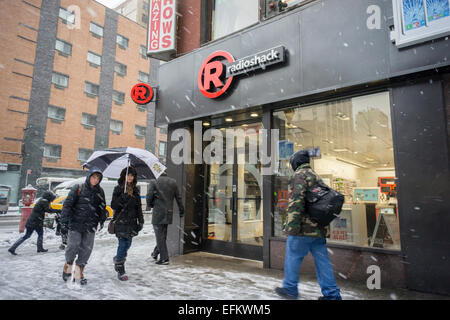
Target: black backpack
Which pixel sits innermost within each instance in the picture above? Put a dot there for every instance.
(323, 204)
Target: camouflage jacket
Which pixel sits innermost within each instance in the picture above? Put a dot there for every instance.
(298, 222)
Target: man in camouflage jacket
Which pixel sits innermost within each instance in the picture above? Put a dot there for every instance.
(305, 235)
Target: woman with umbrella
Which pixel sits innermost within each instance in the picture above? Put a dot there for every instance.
(128, 217)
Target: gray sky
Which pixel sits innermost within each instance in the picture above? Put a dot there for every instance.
(110, 3)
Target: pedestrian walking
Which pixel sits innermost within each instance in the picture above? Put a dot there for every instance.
(36, 222)
(128, 218)
(83, 211)
(61, 232)
(305, 235)
(160, 197)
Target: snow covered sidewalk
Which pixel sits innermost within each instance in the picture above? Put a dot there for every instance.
(195, 276)
(30, 275)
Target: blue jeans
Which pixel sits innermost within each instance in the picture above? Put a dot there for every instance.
(28, 233)
(124, 245)
(296, 249)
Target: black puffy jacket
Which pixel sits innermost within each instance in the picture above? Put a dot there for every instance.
(36, 219)
(85, 206)
(130, 210)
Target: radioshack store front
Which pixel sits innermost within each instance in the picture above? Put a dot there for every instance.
(375, 113)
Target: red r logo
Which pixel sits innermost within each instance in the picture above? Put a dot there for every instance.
(142, 93)
(212, 71)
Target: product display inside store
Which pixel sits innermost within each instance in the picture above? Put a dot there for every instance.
(353, 141)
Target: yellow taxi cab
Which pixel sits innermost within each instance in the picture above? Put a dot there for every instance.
(58, 204)
(59, 201)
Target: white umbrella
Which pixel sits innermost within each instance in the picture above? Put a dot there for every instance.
(112, 161)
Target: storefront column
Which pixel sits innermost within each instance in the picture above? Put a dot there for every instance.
(422, 166)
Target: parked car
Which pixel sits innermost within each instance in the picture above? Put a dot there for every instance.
(5, 193)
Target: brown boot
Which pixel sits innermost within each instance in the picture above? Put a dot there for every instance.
(67, 271)
(78, 275)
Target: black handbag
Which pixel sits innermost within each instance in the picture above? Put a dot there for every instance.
(111, 225)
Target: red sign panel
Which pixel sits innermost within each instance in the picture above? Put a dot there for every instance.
(142, 93)
(161, 27)
(212, 80)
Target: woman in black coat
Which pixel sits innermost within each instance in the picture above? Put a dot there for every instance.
(36, 222)
(128, 217)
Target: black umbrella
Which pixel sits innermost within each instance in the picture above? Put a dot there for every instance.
(112, 161)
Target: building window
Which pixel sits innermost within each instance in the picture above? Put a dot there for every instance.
(144, 77)
(56, 113)
(88, 119)
(66, 16)
(417, 21)
(141, 108)
(60, 81)
(143, 52)
(118, 97)
(84, 154)
(120, 69)
(162, 149)
(94, 59)
(116, 126)
(52, 151)
(63, 47)
(354, 137)
(139, 131)
(96, 30)
(122, 41)
(233, 15)
(91, 89)
(163, 130)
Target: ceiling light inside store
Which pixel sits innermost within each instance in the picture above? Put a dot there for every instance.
(342, 116)
(341, 150)
(245, 125)
(254, 115)
(352, 162)
(206, 124)
(229, 119)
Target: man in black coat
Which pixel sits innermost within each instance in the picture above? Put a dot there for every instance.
(83, 210)
(36, 222)
(160, 197)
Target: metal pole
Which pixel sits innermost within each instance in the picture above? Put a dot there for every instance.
(125, 183)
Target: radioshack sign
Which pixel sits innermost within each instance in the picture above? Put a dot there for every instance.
(219, 69)
(161, 27)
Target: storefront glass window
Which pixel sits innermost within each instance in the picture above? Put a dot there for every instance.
(232, 15)
(354, 137)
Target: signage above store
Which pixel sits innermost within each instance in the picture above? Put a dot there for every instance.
(142, 93)
(161, 29)
(218, 70)
(256, 61)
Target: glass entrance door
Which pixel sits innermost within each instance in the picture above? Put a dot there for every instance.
(234, 193)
